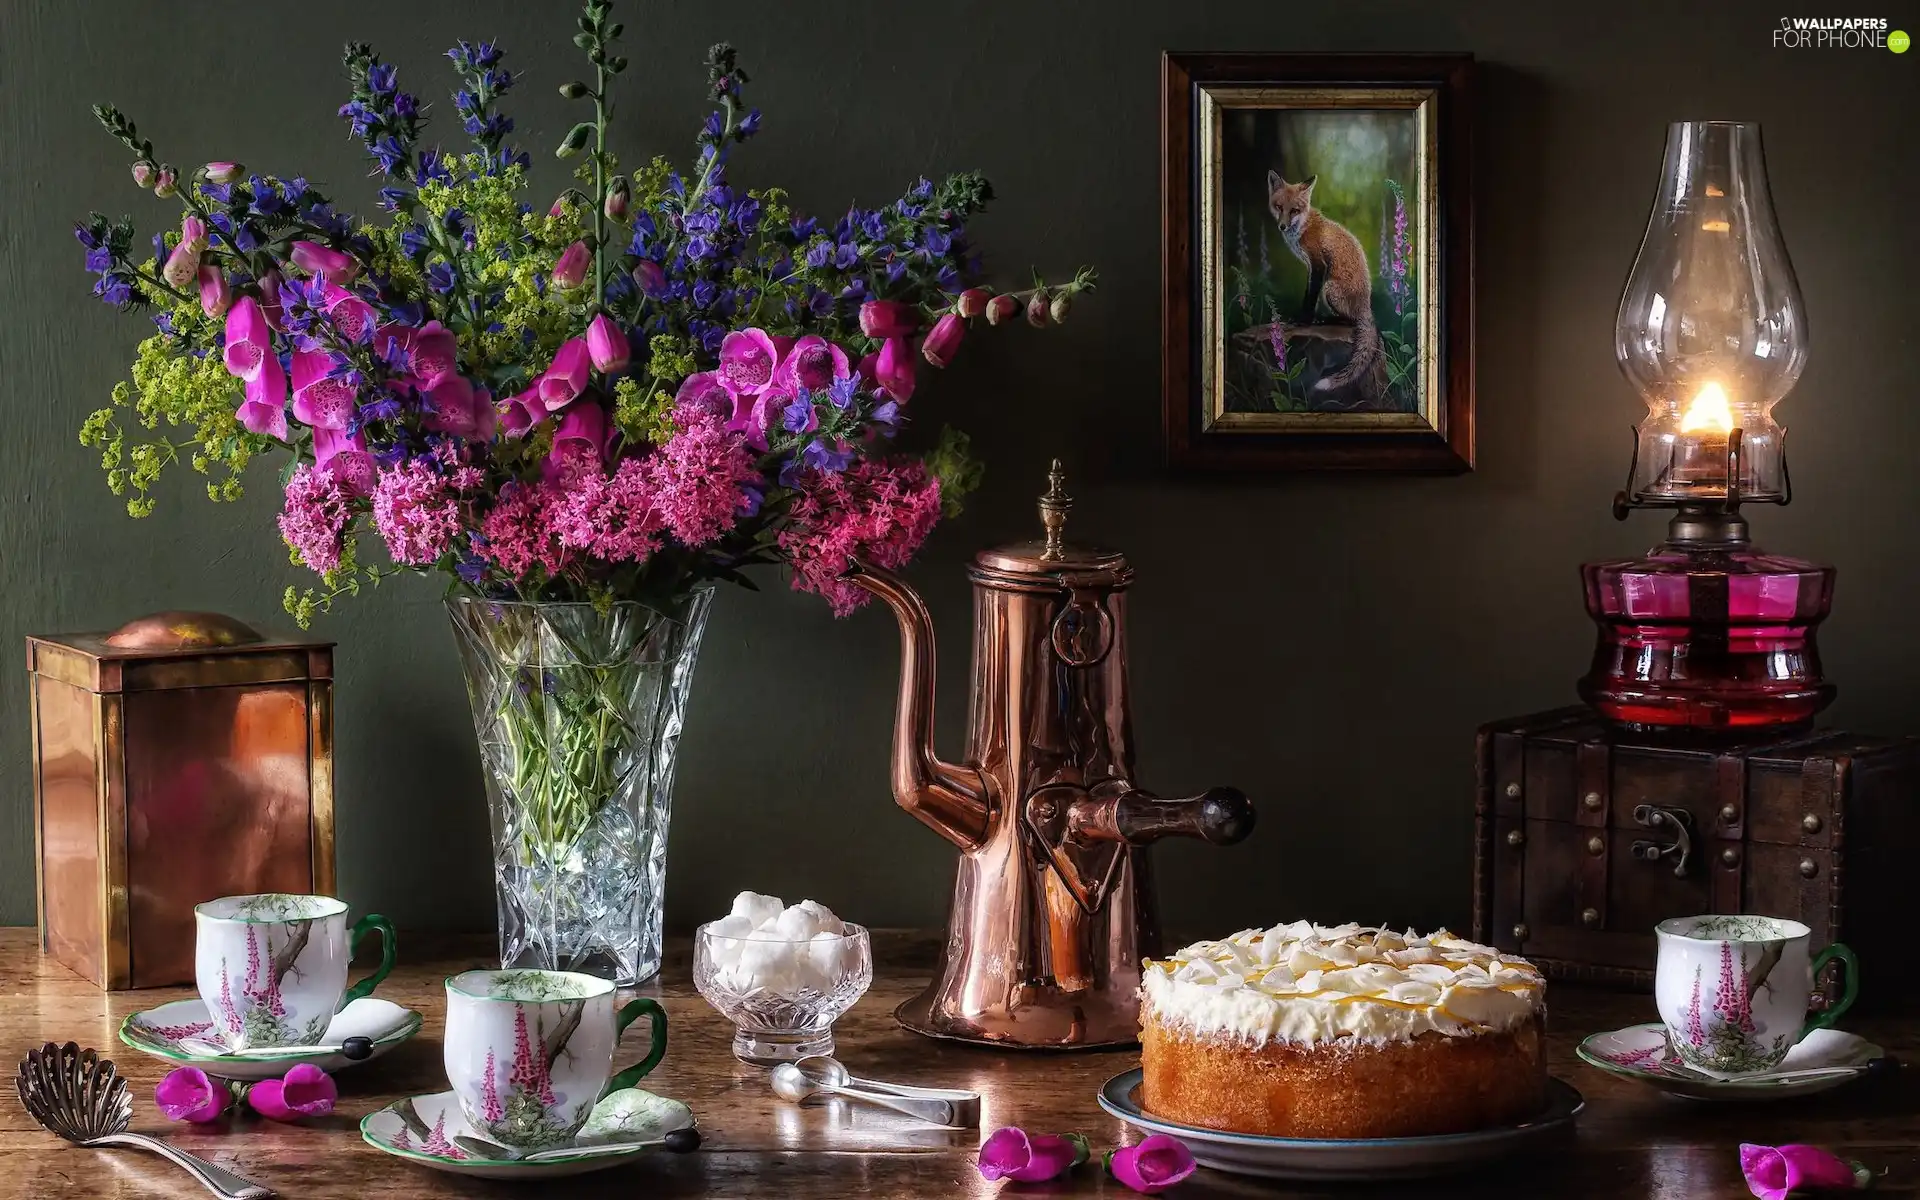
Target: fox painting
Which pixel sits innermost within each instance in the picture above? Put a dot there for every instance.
(1337, 272)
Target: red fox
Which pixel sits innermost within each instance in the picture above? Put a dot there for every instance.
(1336, 268)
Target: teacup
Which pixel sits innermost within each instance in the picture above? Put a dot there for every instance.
(530, 1052)
(272, 968)
(1734, 990)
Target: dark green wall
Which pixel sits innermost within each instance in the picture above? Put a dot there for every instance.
(1327, 644)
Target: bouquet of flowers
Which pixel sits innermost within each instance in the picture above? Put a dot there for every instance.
(659, 380)
(584, 414)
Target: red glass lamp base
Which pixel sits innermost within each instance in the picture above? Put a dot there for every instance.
(1707, 640)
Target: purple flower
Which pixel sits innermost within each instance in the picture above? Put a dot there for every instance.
(887, 415)
(818, 255)
(1277, 338)
(306, 1091)
(1012, 1153)
(186, 1094)
(821, 457)
(841, 391)
(800, 417)
(1154, 1165)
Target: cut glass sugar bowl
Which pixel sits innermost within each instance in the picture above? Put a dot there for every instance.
(781, 990)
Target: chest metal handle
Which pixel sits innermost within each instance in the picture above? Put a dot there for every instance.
(1679, 822)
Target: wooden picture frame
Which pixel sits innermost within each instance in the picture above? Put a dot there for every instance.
(1238, 394)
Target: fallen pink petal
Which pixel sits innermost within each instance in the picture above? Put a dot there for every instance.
(1774, 1172)
(306, 1091)
(1155, 1164)
(187, 1094)
(1012, 1153)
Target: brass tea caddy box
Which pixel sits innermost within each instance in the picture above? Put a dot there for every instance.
(180, 758)
(1053, 904)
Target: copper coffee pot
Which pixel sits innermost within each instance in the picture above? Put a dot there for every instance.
(1053, 906)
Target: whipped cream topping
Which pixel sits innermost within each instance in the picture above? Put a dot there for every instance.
(1308, 983)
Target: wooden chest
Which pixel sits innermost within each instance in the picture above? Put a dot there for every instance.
(1586, 837)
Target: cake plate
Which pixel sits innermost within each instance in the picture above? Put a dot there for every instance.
(1349, 1159)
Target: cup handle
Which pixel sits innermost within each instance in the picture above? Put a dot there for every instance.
(656, 1025)
(361, 928)
(1850, 986)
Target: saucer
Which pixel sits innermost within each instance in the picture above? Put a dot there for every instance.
(1827, 1058)
(169, 1031)
(422, 1129)
(1349, 1159)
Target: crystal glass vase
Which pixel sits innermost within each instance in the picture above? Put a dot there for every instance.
(578, 711)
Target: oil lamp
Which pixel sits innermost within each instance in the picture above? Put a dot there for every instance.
(1708, 632)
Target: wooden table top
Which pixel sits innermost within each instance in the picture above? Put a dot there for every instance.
(1630, 1141)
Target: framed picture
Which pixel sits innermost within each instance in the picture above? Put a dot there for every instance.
(1317, 234)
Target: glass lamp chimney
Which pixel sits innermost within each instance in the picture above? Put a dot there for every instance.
(1712, 330)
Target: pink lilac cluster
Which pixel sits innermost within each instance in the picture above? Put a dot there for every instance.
(314, 516)
(416, 508)
(874, 511)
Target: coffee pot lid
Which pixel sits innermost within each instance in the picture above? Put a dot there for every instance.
(1053, 555)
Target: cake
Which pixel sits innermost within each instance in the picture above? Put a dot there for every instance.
(1302, 1031)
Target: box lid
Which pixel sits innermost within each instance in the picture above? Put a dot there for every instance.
(177, 650)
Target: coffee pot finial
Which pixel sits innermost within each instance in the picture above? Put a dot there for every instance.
(1053, 512)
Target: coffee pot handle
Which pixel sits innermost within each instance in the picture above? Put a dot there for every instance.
(1221, 815)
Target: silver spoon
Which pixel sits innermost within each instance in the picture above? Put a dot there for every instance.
(821, 1075)
(353, 1049)
(680, 1141)
(78, 1095)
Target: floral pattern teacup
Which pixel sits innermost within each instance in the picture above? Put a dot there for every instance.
(272, 968)
(530, 1052)
(1733, 990)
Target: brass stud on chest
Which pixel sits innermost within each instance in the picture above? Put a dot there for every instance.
(1809, 868)
(1596, 845)
(1811, 823)
(1516, 838)
(1592, 801)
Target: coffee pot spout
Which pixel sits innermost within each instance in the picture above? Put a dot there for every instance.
(951, 800)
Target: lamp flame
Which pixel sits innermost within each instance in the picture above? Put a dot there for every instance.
(1709, 412)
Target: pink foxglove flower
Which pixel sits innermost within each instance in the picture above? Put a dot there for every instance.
(315, 259)
(215, 293)
(606, 345)
(570, 269)
(264, 411)
(701, 398)
(459, 408)
(888, 319)
(580, 442)
(814, 363)
(270, 299)
(183, 266)
(1013, 1153)
(143, 172)
(306, 1091)
(186, 1094)
(193, 232)
(320, 399)
(164, 182)
(944, 340)
(973, 302)
(748, 359)
(351, 315)
(893, 369)
(1773, 1172)
(518, 414)
(1002, 308)
(433, 353)
(1154, 1165)
(345, 457)
(651, 278)
(224, 172)
(567, 377)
